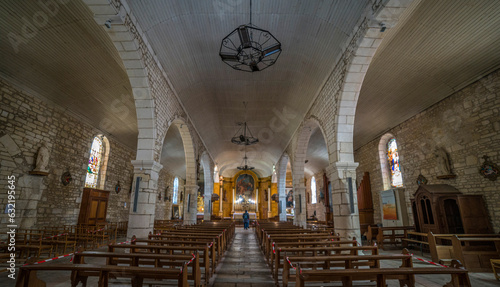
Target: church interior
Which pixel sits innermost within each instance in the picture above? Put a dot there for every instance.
(361, 137)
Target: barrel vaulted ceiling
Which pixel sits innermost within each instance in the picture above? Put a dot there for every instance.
(436, 49)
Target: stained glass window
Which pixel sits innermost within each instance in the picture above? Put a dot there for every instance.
(393, 157)
(95, 160)
(313, 190)
(176, 190)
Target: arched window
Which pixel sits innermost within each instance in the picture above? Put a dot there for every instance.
(393, 157)
(95, 162)
(313, 190)
(176, 191)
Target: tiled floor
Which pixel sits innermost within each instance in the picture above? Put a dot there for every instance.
(244, 265)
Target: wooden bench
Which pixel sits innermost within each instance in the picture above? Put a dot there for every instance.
(405, 275)
(371, 234)
(137, 259)
(342, 261)
(211, 247)
(279, 261)
(476, 258)
(28, 278)
(418, 238)
(171, 250)
(394, 236)
(441, 247)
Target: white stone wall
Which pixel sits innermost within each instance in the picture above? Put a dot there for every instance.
(466, 125)
(26, 121)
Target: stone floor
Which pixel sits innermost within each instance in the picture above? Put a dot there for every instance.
(243, 265)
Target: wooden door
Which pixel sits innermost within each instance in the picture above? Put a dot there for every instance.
(93, 207)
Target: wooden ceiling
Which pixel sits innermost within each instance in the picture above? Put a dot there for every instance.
(437, 48)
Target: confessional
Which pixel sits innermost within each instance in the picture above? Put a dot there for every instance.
(443, 209)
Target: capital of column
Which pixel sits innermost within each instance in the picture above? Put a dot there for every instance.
(146, 166)
(192, 188)
(342, 169)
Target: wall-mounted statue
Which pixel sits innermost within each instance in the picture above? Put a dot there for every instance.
(42, 161)
(443, 164)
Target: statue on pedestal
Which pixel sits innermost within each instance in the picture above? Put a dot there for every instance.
(42, 161)
(443, 164)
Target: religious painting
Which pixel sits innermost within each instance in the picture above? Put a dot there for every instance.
(289, 199)
(389, 205)
(245, 186)
(175, 212)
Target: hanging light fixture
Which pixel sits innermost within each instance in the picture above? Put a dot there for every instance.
(245, 166)
(243, 135)
(249, 48)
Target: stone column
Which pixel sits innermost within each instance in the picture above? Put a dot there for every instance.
(208, 207)
(190, 197)
(299, 195)
(141, 221)
(346, 223)
(282, 201)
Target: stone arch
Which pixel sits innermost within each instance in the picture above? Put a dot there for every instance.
(191, 187)
(208, 174)
(281, 178)
(366, 41)
(125, 36)
(382, 153)
(299, 184)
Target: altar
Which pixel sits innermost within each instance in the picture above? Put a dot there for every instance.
(239, 215)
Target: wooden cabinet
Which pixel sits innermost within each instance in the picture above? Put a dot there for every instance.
(94, 206)
(441, 208)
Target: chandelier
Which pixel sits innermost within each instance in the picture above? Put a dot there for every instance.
(249, 48)
(243, 135)
(245, 166)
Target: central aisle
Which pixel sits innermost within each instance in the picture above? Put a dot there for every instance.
(243, 265)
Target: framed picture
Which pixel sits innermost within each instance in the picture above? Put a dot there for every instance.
(175, 212)
(389, 205)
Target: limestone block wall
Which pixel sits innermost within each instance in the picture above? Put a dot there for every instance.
(26, 121)
(466, 125)
(319, 206)
(164, 207)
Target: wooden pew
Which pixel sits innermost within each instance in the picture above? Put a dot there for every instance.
(137, 259)
(371, 234)
(391, 235)
(476, 258)
(342, 261)
(211, 247)
(295, 238)
(418, 238)
(28, 278)
(441, 248)
(171, 250)
(405, 275)
(316, 251)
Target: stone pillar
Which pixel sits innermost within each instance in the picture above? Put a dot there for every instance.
(282, 197)
(190, 197)
(208, 207)
(141, 221)
(346, 223)
(299, 195)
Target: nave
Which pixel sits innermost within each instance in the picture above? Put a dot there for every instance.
(252, 258)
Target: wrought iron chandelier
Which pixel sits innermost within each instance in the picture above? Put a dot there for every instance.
(249, 48)
(243, 135)
(245, 166)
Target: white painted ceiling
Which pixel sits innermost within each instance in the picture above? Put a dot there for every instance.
(70, 61)
(186, 37)
(435, 50)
